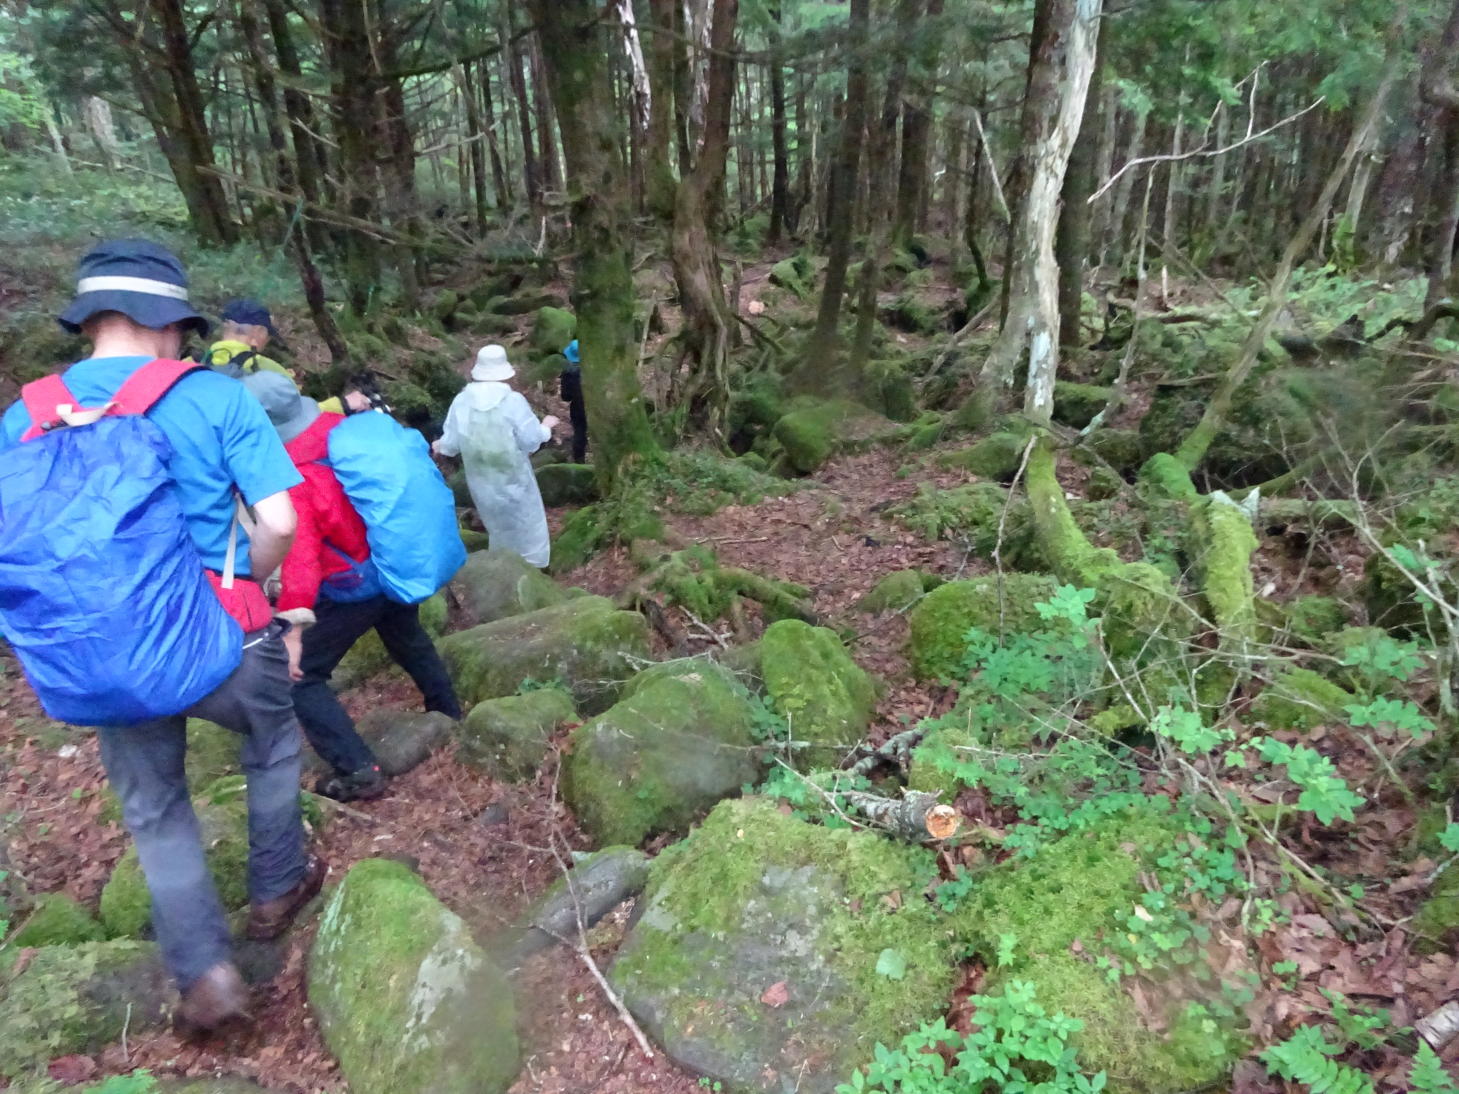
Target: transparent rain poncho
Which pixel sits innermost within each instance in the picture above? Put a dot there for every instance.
(494, 431)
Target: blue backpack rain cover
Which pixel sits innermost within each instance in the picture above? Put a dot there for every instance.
(409, 512)
(102, 592)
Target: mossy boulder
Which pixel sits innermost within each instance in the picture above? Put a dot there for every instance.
(528, 300)
(757, 902)
(552, 329)
(997, 604)
(1120, 448)
(896, 592)
(1024, 919)
(405, 998)
(368, 656)
(996, 456)
(126, 906)
(1076, 405)
(981, 515)
(584, 643)
(212, 753)
(597, 884)
(402, 739)
(63, 1000)
(57, 920)
(1298, 698)
(494, 585)
(813, 431)
(508, 737)
(578, 540)
(567, 484)
(1313, 618)
(824, 696)
(660, 758)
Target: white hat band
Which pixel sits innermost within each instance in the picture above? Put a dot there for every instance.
(132, 284)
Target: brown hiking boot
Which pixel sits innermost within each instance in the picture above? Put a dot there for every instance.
(268, 919)
(216, 998)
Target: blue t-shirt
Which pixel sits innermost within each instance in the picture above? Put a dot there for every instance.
(220, 437)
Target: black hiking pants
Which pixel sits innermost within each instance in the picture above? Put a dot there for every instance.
(339, 626)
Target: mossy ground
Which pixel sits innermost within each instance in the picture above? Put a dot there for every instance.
(57, 920)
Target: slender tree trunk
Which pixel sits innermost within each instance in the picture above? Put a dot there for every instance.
(574, 54)
(1120, 209)
(952, 185)
(263, 79)
(1061, 63)
(1442, 99)
(475, 134)
(825, 343)
(708, 317)
(658, 169)
(916, 129)
(309, 155)
(97, 112)
(546, 138)
(531, 172)
(1073, 242)
(500, 180)
(780, 178)
(1099, 211)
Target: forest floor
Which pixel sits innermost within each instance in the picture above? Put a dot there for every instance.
(487, 848)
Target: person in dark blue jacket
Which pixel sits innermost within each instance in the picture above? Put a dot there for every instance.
(570, 386)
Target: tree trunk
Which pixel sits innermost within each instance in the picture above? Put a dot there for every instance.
(546, 139)
(780, 181)
(658, 170)
(1120, 208)
(500, 180)
(475, 134)
(207, 203)
(97, 112)
(309, 154)
(1061, 63)
(916, 129)
(825, 343)
(708, 318)
(263, 80)
(1442, 100)
(1073, 242)
(574, 54)
(531, 173)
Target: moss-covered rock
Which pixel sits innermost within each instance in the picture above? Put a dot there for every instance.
(528, 300)
(552, 329)
(1390, 598)
(475, 541)
(405, 998)
(567, 484)
(996, 456)
(813, 431)
(69, 999)
(793, 274)
(1313, 618)
(57, 920)
(1024, 919)
(212, 753)
(824, 696)
(508, 737)
(981, 515)
(584, 643)
(896, 592)
(1076, 404)
(998, 604)
(755, 899)
(402, 739)
(126, 906)
(1298, 698)
(661, 757)
(596, 885)
(494, 585)
(1120, 448)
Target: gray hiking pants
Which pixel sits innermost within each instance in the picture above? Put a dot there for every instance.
(144, 764)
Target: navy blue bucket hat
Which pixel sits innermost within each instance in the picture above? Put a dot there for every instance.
(143, 281)
(250, 313)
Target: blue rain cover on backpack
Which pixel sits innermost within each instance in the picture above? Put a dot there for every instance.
(409, 511)
(102, 593)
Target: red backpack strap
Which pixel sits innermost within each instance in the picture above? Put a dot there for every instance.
(149, 383)
(41, 398)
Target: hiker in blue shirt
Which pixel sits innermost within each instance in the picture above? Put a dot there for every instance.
(132, 305)
(570, 387)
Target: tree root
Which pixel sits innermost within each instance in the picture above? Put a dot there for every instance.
(693, 579)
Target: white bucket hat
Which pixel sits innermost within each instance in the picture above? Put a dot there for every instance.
(492, 364)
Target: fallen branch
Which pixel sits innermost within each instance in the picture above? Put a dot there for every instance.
(916, 816)
(1416, 330)
(895, 751)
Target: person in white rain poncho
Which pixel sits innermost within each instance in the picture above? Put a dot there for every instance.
(493, 430)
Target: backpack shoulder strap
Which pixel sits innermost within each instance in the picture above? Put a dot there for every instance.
(149, 383)
(242, 360)
(42, 398)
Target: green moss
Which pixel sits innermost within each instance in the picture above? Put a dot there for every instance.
(494, 585)
(56, 920)
(567, 484)
(661, 757)
(1168, 476)
(896, 592)
(579, 540)
(212, 753)
(552, 329)
(824, 696)
(999, 605)
(1076, 404)
(754, 896)
(1312, 618)
(405, 998)
(508, 737)
(808, 437)
(1143, 617)
(1221, 543)
(1299, 698)
(433, 615)
(896, 394)
(794, 274)
(126, 906)
(1436, 923)
(76, 999)
(981, 515)
(925, 772)
(1120, 448)
(1076, 890)
(996, 456)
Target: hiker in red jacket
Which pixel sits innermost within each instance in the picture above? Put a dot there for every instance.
(323, 580)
